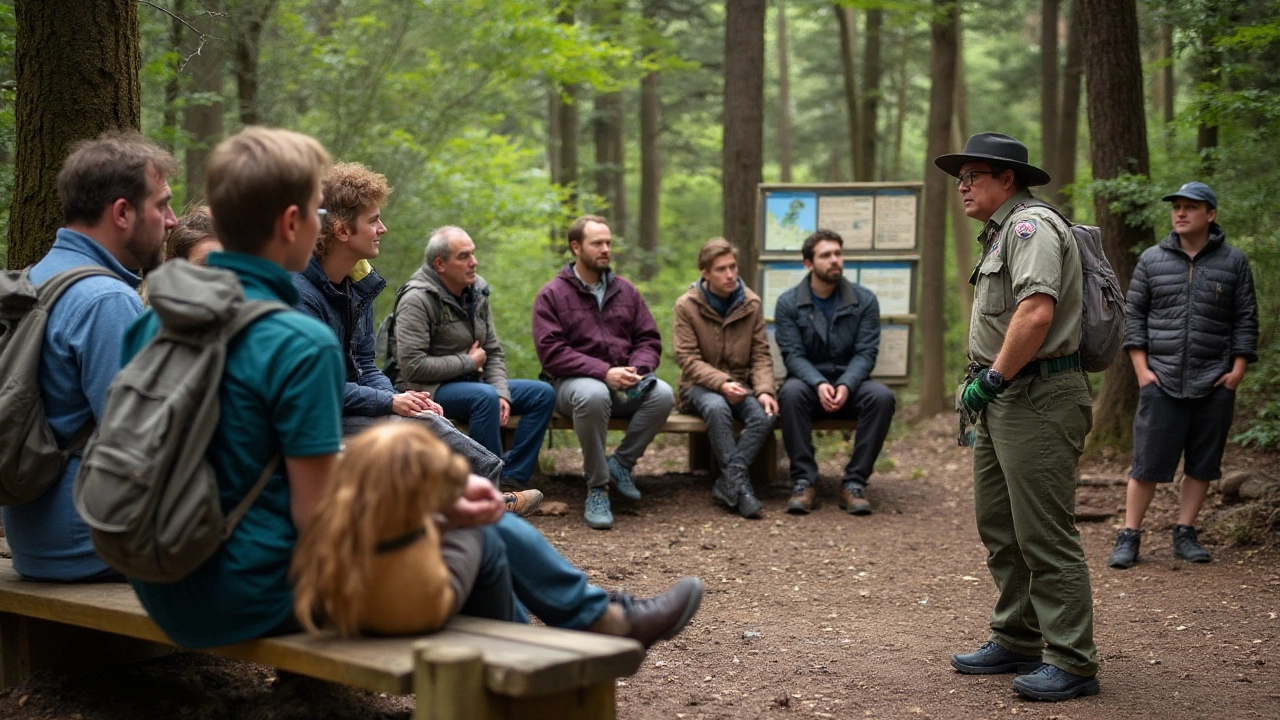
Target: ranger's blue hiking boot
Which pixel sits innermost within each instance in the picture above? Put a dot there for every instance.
(622, 478)
(1055, 684)
(598, 515)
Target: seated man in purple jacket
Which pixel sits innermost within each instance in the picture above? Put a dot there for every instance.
(599, 346)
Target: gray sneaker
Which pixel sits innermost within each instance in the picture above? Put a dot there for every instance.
(598, 515)
(622, 478)
(1126, 552)
(1187, 546)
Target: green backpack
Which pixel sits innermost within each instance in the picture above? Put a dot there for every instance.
(31, 461)
(145, 489)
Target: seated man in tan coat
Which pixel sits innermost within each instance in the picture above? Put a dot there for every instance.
(726, 370)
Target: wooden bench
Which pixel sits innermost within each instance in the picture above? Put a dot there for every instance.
(764, 468)
(472, 669)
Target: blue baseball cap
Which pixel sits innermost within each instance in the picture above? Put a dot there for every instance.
(1194, 191)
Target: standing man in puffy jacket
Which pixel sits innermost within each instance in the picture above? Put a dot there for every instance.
(338, 288)
(726, 371)
(1191, 329)
(447, 344)
(599, 345)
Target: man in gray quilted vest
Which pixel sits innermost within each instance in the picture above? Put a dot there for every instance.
(1191, 328)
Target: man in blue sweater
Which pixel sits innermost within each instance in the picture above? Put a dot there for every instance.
(115, 203)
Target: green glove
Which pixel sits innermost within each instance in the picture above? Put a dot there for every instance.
(982, 390)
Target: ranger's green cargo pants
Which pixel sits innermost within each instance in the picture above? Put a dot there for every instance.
(1026, 445)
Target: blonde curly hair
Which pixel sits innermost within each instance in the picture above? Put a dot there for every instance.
(389, 481)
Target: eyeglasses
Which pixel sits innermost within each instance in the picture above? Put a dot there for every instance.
(322, 214)
(965, 179)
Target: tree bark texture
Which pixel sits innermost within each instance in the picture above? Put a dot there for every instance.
(1069, 125)
(610, 162)
(248, 18)
(1049, 96)
(567, 109)
(743, 118)
(848, 49)
(900, 116)
(1117, 126)
(942, 71)
(650, 169)
(76, 66)
(784, 98)
(202, 119)
(173, 85)
(869, 102)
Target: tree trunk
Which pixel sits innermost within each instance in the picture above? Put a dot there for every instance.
(567, 109)
(942, 71)
(743, 118)
(553, 132)
(650, 171)
(1167, 91)
(606, 127)
(1118, 130)
(962, 228)
(249, 17)
(202, 120)
(784, 98)
(900, 116)
(848, 48)
(76, 66)
(1069, 125)
(1049, 97)
(173, 84)
(872, 69)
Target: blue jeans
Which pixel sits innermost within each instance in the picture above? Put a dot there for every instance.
(476, 404)
(543, 580)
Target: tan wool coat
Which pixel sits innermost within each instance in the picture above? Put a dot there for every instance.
(712, 350)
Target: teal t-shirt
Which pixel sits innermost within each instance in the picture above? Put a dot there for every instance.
(281, 392)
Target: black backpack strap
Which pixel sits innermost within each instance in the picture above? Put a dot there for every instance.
(232, 520)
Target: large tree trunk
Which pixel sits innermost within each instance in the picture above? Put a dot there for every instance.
(650, 152)
(248, 18)
(743, 119)
(942, 72)
(869, 104)
(962, 227)
(203, 118)
(173, 84)
(1118, 129)
(848, 49)
(899, 116)
(1049, 96)
(607, 129)
(784, 98)
(567, 109)
(1163, 91)
(1069, 125)
(76, 66)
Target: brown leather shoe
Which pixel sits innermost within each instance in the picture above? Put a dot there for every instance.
(523, 502)
(660, 617)
(804, 498)
(852, 501)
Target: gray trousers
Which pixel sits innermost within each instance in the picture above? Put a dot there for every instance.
(483, 462)
(590, 403)
(733, 455)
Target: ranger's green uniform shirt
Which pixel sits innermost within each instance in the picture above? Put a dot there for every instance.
(1032, 252)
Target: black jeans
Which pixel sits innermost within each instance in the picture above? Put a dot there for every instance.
(871, 404)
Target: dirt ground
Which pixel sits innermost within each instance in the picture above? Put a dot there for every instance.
(826, 615)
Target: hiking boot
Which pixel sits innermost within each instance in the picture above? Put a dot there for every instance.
(660, 617)
(852, 500)
(598, 515)
(1055, 684)
(804, 498)
(725, 491)
(1126, 552)
(1187, 546)
(622, 478)
(992, 659)
(748, 505)
(523, 502)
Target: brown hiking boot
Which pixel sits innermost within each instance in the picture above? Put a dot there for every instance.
(523, 502)
(649, 620)
(852, 501)
(804, 498)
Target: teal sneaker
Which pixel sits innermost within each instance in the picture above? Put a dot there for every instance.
(622, 478)
(598, 515)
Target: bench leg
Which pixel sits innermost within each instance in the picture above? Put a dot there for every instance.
(30, 645)
(700, 455)
(764, 469)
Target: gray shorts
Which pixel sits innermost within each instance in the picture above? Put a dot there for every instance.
(1166, 429)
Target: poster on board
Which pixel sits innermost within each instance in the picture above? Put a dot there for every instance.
(894, 357)
(891, 283)
(789, 217)
(850, 216)
(895, 221)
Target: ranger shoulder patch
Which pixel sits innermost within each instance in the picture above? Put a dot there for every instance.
(1025, 228)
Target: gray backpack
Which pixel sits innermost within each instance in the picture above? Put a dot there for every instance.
(385, 340)
(1102, 323)
(145, 489)
(31, 461)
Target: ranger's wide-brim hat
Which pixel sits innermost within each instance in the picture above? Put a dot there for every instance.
(992, 147)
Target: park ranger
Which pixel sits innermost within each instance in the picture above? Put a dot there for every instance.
(1033, 409)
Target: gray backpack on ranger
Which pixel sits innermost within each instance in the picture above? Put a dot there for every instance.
(145, 489)
(1102, 322)
(31, 461)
